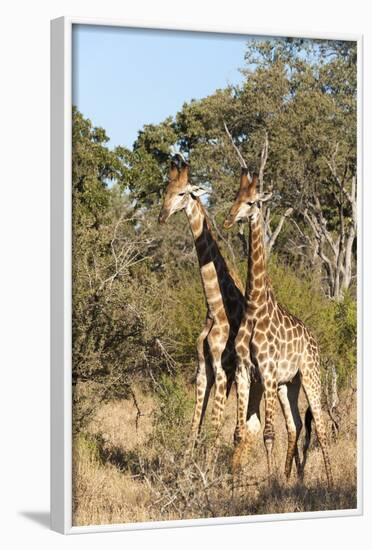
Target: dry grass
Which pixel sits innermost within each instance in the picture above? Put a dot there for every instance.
(124, 473)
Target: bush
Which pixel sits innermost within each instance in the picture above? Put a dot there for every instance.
(346, 322)
(173, 413)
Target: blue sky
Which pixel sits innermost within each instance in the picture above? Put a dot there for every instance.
(125, 78)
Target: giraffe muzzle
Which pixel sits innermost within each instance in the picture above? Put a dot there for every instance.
(163, 216)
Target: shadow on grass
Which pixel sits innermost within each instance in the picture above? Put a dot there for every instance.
(280, 498)
(130, 461)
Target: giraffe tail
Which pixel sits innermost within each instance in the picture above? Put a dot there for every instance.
(308, 429)
(308, 422)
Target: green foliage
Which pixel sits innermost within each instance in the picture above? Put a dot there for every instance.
(346, 323)
(113, 331)
(137, 307)
(85, 447)
(174, 411)
(146, 167)
(187, 314)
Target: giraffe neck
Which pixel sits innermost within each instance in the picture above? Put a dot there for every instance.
(256, 279)
(218, 284)
(197, 218)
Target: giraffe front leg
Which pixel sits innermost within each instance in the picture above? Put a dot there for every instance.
(270, 391)
(252, 426)
(219, 403)
(243, 383)
(242, 380)
(216, 347)
(204, 383)
(217, 414)
(217, 340)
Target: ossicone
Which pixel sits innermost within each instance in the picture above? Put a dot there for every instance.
(178, 161)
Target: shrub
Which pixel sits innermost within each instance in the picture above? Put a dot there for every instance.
(346, 323)
(174, 412)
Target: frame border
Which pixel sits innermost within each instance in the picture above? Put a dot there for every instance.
(61, 277)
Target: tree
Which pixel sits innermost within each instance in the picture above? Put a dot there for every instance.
(125, 323)
(294, 121)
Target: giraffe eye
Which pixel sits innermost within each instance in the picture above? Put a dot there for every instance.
(181, 194)
(250, 203)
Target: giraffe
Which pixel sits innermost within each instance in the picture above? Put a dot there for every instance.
(225, 305)
(224, 296)
(272, 344)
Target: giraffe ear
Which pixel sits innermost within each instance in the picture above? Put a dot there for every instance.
(196, 190)
(265, 197)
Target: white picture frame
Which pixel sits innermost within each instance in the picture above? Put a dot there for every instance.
(61, 283)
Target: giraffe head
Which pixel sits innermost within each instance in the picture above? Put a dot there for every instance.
(179, 190)
(247, 202)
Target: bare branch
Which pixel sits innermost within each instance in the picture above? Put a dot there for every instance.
(353, 201)
(351, 197)
(135, 401)
(321, 222)
(169, 361)
(303, 235)
(223, 239)
(264, 155)
(275, 234)
(318, 232)
(243, 164)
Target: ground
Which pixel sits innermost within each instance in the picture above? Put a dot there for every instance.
(129, 467)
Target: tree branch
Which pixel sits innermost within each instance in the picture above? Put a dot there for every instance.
(264, 155)
(243, 164)
(278, 229)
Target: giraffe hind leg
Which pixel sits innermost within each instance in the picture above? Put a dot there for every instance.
(288, 397)
(253, 414)
(312, 386)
